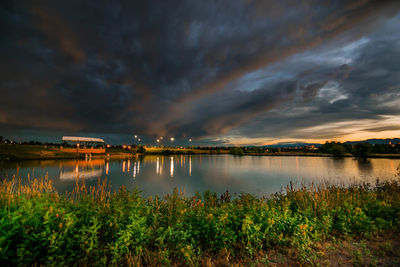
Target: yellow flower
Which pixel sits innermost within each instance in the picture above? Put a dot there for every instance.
(209, 216)
(271, 221)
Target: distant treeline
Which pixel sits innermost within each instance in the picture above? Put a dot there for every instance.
(359, 149)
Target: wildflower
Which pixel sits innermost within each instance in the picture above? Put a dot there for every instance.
(224, 216)
(209, 216)
(271, 221)
(183, 211)
(60, 225)
(57, 215)
(303, 227)
(51, 209)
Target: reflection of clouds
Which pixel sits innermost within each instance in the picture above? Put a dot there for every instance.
(257, 175)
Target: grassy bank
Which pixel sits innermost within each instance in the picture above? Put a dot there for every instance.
(94, 225)
(39, 152)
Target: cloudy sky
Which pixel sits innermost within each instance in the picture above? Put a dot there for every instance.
(220, 71)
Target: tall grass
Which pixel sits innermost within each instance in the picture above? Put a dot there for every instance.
(97, 226)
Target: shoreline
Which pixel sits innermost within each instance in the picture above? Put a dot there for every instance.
(6, 157)
(35, 152)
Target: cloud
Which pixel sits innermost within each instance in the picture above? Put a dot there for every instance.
(194, 68)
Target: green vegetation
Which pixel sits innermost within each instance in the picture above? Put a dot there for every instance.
(93, 225)
(338, 149)
(237, 151)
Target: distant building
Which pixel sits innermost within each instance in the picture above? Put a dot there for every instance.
(83, 145)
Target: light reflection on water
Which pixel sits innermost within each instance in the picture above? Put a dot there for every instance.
(160, 174)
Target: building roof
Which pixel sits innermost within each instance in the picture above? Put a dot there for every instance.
(82, 139)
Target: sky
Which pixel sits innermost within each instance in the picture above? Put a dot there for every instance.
(222, 72)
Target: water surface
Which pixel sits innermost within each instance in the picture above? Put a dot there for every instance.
(260, 175)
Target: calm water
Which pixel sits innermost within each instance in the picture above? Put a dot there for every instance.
(160, 174)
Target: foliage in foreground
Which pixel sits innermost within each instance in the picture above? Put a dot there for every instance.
(94, 225)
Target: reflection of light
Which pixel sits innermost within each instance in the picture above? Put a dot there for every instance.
(108, 146)
(138, 167)
(134, 170)
(297, 162)
(158, 165)
(123, 166)
(181, 161)
(107, 167)
(172, 167)
(161, 165)
(190, 165)
(129, 165)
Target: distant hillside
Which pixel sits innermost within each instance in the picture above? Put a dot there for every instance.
(292, 145)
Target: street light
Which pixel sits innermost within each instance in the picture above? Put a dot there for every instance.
(172, 139)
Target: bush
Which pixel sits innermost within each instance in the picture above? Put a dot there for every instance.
(237, 151)
(96, 226)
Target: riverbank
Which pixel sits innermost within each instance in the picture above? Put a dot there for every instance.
(303, 226)
(41, 152)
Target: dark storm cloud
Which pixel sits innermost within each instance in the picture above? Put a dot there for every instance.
(179, 67)
(365, 93)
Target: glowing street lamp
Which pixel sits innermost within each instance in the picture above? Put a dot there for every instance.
(172, 139)
(190, 139)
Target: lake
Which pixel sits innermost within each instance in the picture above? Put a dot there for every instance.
(153, 174)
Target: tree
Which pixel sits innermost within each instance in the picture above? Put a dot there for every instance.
(338, 150)
(141, 149)
(237, 151)
(362, 149)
